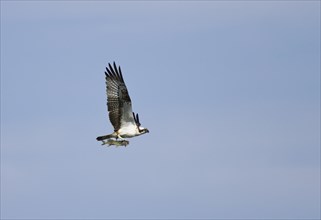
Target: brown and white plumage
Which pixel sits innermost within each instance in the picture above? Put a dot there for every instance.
(126, 124)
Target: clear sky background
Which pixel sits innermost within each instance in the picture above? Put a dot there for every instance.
(230, 92)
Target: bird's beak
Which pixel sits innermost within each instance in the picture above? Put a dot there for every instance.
(147, 131)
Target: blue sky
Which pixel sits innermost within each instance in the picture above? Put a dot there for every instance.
(230, 92)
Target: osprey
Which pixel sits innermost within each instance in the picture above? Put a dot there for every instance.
(126, 124)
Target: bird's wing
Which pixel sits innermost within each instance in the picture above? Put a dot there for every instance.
(118, 100)
(136, 118)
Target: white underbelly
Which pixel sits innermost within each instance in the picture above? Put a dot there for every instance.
(128, 131)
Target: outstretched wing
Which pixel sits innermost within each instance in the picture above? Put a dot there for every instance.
(118, 100)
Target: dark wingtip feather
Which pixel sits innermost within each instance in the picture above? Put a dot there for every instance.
(111, 69)
(120, 73)
(117, 72)
(107, 72)
(137, 120)
(113, 72)
(115, 68)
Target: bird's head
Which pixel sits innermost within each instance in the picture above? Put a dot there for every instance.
(143, 130)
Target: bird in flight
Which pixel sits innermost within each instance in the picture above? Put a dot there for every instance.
(125, 122)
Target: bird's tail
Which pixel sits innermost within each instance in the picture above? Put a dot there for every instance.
(100, 138)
